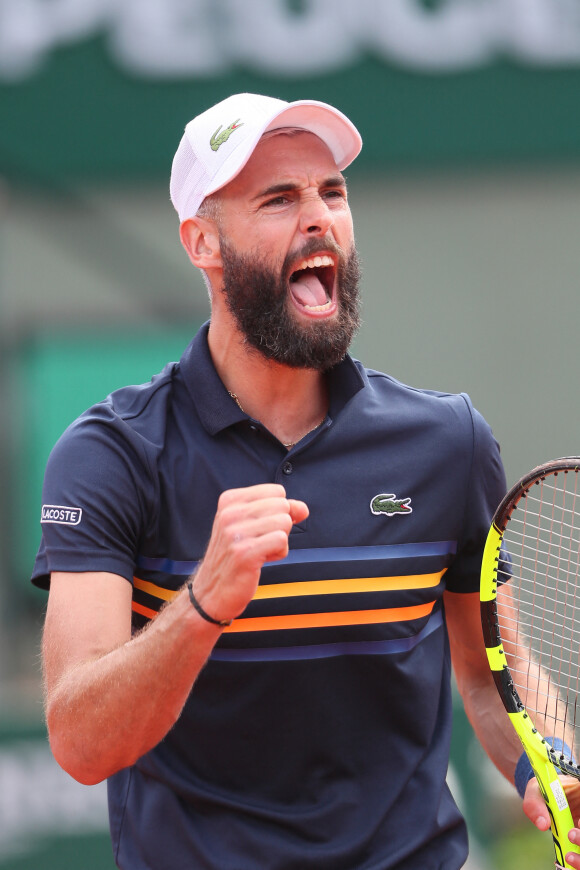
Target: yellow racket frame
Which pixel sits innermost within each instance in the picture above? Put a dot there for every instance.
(536, 748)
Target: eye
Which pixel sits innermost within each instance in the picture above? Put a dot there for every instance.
(275, 201)
(335, 193)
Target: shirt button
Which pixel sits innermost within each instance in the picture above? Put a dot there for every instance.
(287, 468)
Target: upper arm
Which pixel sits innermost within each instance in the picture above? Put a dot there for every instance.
(468, 655)
(95, 468)
(88, 615)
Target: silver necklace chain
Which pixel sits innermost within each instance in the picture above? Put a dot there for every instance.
(287, 444)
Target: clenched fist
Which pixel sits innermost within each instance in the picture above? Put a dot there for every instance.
(251, 527)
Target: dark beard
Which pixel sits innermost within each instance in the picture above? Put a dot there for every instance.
(258, 299)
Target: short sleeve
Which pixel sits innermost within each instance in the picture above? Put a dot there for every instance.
(94, 496)
(486, 488)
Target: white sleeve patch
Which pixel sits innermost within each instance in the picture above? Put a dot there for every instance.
(57, 513)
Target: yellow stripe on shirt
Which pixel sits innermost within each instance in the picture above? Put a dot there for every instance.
(349, 584)
(317, 587)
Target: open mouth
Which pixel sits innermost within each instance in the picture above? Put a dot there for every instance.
(312, 284)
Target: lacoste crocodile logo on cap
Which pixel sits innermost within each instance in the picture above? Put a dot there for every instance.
(389, 504)
(219, 138)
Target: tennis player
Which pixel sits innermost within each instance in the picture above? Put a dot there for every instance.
(262, 563)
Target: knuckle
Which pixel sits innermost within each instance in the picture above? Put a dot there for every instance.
(224, 500)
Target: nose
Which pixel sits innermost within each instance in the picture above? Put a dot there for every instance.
(315, 217)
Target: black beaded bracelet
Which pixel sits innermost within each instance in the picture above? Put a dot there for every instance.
(221, 622)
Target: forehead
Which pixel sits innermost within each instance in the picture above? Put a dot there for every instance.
(299, 157)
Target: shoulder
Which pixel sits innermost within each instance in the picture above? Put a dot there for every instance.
(388, 385)
(401, 401)
(127, 428)
(140, 408)
(106, 464)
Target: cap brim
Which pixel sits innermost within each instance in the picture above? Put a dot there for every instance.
(326, 122)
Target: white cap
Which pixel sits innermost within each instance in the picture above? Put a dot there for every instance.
(218, 143)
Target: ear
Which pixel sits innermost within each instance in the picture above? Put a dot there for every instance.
(200, 238)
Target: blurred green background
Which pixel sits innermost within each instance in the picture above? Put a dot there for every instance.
(466, 200)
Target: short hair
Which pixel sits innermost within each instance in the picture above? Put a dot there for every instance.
(211, 207)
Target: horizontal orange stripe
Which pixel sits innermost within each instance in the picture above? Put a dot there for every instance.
(144, 611)
(153, 589)
(349, 584)
(321, 620)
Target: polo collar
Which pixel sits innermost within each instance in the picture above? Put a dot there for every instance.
(216, 408)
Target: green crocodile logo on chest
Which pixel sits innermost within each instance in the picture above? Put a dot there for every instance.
(389, 504)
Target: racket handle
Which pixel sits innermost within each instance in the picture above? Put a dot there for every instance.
(561, 821)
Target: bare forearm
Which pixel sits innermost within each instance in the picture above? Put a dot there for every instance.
(476, 685)
(106, 712)
(490, 722)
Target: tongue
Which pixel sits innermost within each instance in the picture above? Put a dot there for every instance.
(308, 290)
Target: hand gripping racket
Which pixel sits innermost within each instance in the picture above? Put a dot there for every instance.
(530, 610)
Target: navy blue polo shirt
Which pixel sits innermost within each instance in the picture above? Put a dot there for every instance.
(317, 735)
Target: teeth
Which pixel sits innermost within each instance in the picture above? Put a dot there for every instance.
(315, 263)
(319, 307)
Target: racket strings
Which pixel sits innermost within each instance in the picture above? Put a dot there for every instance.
(538, 606)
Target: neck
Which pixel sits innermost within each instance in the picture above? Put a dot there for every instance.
(288, 402)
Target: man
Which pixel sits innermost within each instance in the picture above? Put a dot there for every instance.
(272, 549)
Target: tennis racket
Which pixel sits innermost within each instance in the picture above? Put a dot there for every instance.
(530, 610)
